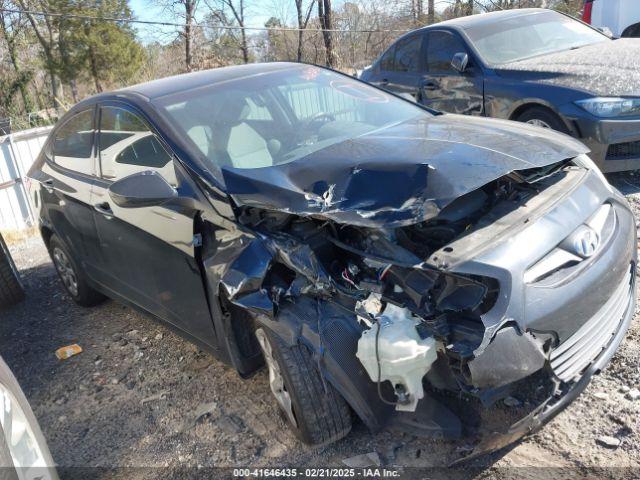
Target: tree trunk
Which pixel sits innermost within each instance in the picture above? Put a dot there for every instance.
(470, 5)
(95, 74)
(10, 39)
(54, 89)
(299, 12)
(74, 90)
(324, 15)
(188, 7)
(244, 47)
(432, 12)
(48, 53)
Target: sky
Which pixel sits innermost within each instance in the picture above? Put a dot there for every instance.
(150, 10)
(258, 12)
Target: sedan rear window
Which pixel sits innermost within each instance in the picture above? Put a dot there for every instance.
(282, 116)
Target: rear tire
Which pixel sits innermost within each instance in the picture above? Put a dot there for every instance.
(11, 289)
(543, 117)
(73, 277)
(317, 414)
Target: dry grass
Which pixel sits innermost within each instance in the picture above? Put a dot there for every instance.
(13, 237)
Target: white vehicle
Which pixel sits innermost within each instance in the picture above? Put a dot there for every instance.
(621, 17)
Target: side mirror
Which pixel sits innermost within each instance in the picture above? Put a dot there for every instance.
(144, 189)
(460, 61)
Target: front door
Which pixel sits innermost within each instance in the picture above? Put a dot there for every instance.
(148, 253)
(444, 88)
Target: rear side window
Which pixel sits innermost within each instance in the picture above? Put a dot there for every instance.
(386, 63)
(73, 143)
(441, 47)
(127, 146)
(407, 55)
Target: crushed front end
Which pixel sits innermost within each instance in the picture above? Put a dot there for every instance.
(523, 287)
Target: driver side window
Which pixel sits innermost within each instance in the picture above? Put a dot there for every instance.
(441, 47)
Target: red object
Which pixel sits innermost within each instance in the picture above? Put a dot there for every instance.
(586, 11)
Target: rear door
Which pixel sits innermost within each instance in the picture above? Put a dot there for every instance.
(148, 253)
(67, 176)
(400, 69)
(444, 88)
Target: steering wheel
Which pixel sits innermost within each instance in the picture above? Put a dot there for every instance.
(317, 117)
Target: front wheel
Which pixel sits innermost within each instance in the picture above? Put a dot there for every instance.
(543, 117)
(315, 411)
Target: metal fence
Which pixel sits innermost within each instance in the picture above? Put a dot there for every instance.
(18, 151)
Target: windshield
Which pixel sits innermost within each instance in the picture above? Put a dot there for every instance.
(279, 117)
(531, 35)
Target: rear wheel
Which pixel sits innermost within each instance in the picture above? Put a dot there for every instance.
(315, 411)
(73, 277)
(543, 117)
(11, 289)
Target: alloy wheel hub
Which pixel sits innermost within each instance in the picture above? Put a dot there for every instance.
(65, 270)
(276, 381)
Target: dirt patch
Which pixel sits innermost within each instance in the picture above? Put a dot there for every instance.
(138, 395)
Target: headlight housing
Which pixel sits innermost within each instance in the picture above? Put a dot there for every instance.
(610, 107)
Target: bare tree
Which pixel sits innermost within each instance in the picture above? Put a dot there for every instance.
(237, 8)
(45, 34)
(303, 21)
(324, 17)
(185, 10)
(10, 27)
(431, 14)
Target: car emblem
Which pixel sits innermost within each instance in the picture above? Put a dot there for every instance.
(585, 242)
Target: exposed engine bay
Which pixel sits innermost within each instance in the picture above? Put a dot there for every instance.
(392, 281)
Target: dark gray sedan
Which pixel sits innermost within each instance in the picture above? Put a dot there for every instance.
(532, 65)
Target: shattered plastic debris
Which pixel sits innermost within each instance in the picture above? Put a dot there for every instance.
(371, 459)
(608, 442)
(158, 396)
(69, 351)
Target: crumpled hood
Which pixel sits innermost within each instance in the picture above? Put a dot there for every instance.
(402, 174)
(605, 69)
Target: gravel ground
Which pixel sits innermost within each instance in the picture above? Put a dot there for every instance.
(140, 396)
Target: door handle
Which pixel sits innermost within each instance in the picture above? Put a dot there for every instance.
(430, 86)
(103, 208)
(384, 82)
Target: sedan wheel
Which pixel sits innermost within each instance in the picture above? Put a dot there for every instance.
(538, 123)
(316, 412)
(276, 381)
(66, 272)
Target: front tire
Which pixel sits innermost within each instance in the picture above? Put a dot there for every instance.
(315, 411)
(543, 117)
(73, 277)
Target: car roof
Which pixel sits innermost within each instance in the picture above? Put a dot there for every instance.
(488, 18)
(187, 81)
